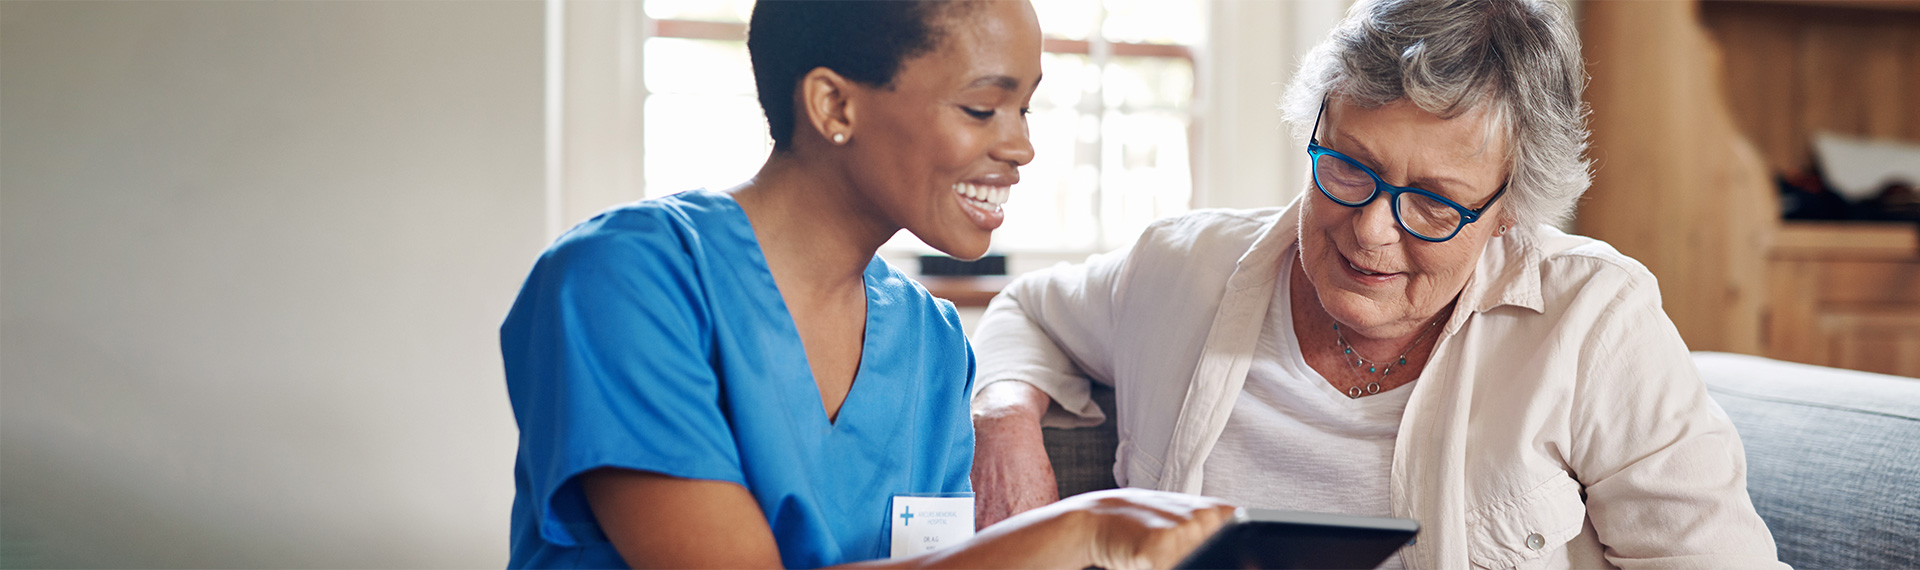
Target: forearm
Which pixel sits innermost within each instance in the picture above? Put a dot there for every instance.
(1011, 471)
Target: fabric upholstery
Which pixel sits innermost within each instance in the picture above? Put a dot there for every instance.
(1833, 458)
(1083, 457)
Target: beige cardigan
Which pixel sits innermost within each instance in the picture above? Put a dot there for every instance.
(1560, 422)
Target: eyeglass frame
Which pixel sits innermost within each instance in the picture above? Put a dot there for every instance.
(1315, 151)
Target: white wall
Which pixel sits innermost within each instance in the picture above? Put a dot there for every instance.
(1248, 157)
(253, 257)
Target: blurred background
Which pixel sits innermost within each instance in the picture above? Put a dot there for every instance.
(253, 255)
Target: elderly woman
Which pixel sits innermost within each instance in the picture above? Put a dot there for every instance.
(1410, 338)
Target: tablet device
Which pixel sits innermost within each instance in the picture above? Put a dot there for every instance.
(1263, 538)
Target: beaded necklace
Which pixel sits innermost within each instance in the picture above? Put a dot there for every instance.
(1340, 340)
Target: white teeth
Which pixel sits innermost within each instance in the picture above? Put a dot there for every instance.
(1362, 271)
(992, 196)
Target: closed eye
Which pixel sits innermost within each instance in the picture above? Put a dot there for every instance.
(981, 114)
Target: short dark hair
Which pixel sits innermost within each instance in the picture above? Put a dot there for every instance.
(863, 40)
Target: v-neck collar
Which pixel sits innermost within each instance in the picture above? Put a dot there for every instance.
(804, 386)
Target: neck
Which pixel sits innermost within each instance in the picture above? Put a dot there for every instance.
(815, 232)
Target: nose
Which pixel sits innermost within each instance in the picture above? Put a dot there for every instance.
(1374, 225)
(1014, 146)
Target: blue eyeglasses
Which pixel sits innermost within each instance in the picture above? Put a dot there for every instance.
(1424, 214)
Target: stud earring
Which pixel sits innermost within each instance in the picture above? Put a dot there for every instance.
(1503, 230)
(839, 138)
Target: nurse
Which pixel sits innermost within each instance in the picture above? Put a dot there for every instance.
(734, 379)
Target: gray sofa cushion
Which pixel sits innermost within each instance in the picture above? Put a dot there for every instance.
(1083, 457)
(1833, 458)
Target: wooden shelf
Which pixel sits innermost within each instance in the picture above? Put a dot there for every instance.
(1847, 240)
(1846, 294)
(965, 291)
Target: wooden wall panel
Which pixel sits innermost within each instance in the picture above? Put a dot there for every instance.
(1755, 76)
(1795, 69)
(1676, 185)
(1912, 87)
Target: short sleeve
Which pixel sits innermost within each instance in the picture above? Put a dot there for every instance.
(605, 353)
(960, 472)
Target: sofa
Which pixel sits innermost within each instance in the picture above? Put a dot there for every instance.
(1833, 457)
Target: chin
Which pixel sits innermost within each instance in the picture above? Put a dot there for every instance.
(968, 253)
(964, 248)
(1360, 312)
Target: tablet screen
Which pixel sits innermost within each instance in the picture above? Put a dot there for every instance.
(1261, 538)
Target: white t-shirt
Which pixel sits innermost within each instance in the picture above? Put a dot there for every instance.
(1293, 442)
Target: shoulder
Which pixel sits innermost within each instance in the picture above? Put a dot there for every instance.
(921, 332)
(1205, 241)
(1208, 230)
(649, 235)
(644, 257)
(1607, 306)
(1573, 266)
(895, 291)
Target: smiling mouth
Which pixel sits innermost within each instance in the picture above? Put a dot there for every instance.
(1364, 271)
(984, 197)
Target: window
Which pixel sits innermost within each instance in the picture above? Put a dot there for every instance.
(1111, 123)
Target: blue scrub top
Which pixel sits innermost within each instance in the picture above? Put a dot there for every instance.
(652, 338)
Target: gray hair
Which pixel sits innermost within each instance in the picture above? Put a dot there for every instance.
(1451, 56)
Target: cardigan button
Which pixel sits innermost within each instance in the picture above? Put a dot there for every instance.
(1535, 541)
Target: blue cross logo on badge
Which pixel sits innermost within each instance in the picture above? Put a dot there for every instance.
(906, 515)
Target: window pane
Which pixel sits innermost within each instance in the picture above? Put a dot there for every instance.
(702, 141)
(1154, 21)
(1145, 172)
(1066, 79)
(1052, 207)
(1144, 83)
(709, 10)
(1067, 19)
(675, 65)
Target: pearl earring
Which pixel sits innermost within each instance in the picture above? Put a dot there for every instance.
(839, 138)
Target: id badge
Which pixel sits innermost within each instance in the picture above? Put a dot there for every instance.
(930, 521)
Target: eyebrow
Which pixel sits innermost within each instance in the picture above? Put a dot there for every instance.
(1006, 82)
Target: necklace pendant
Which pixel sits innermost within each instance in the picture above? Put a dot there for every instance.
(1353, 392)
